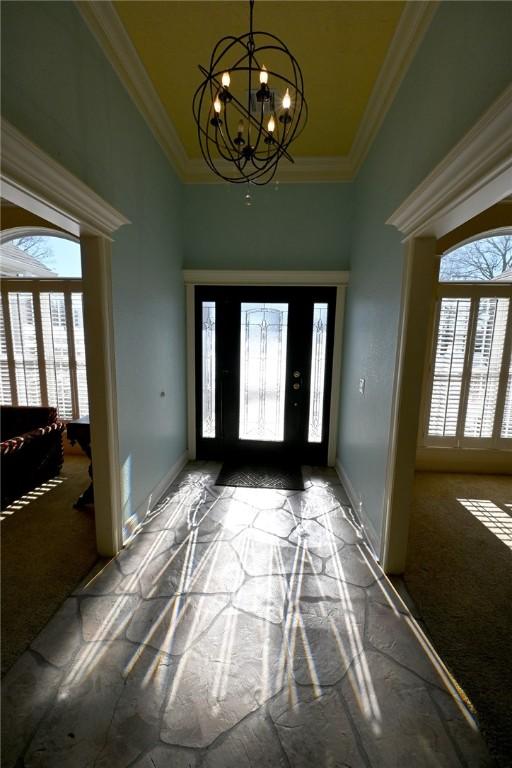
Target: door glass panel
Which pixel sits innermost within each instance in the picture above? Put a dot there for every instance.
(208, 355)
(263, 338)
(317, 384)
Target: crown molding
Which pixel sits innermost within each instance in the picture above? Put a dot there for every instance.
(29, 175)
(302, 170)
(474, 175)
(103, 21)
(265, 277)
(110, 33)
(412, 26)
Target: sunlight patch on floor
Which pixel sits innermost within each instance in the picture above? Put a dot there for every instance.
(495, 519)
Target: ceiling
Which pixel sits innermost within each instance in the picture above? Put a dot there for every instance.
(340, 47)
(353, 57)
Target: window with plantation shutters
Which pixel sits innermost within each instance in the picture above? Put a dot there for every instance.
(42, 345)
(470, 394)
(449, 358)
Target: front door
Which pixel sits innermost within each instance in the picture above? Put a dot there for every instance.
(263, 372)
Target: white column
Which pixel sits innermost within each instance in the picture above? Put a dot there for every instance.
(101, 382)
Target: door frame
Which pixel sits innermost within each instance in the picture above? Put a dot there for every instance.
(34, 181)
(474, 175)
(263, 278)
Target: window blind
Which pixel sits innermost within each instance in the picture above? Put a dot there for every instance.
(486, 367)
(450, 351)
(42, 347)
(471, 389)
(506, 425)
(5, 384)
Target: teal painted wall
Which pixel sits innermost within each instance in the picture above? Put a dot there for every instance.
(463, 65)
(296, 226)
(59, 90)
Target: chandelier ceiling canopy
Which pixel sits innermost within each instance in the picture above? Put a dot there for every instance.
(249, 107)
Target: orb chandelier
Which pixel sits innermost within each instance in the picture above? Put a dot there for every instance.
(250, 106)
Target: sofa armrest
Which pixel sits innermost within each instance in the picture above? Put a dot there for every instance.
(13, 444)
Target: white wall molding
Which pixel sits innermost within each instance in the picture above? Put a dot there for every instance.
(133, 525)
(414, 22)
(474, 175)
(264, 277)
(357, 509)
(35, 181)
(103, 20)
(302, 170)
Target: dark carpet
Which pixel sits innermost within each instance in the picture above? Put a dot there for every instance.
(47, 549)
(459, 573)
(283, 478)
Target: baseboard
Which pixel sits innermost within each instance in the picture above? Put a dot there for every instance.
(358, 509)
(132, 526)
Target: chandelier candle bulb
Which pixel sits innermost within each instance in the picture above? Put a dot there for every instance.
(248, 143)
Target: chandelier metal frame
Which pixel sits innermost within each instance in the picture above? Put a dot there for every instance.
(253, 149)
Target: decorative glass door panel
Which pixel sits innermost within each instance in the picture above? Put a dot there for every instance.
(264, 358)
(317, 386)
(263, 338)
(208, 368)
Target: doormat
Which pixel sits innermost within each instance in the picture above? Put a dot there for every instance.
(283, 478)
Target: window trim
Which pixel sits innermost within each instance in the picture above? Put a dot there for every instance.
(473, 291)
(36, 286)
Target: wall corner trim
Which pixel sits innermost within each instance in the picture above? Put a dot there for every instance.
(352, 495)
(412, 27)
(134, 523)
(104, 23)
(28, 172)
(474, 175)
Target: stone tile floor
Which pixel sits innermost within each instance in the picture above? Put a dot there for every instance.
(241, 627)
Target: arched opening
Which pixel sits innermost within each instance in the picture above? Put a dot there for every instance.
(468, 387)
(460, 533)
(483, 258)
(47, 511)
(42, 325)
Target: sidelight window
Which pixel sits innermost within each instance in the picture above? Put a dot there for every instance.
(317, 384)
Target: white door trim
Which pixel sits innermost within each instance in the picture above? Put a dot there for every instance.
(336, 278)
(474, 175)
(36, 182)
(287, 277)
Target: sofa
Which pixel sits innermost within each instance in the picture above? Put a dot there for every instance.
(31, 450)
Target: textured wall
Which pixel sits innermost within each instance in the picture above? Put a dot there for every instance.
(60, 91)
(463, 64)
(299, 226)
